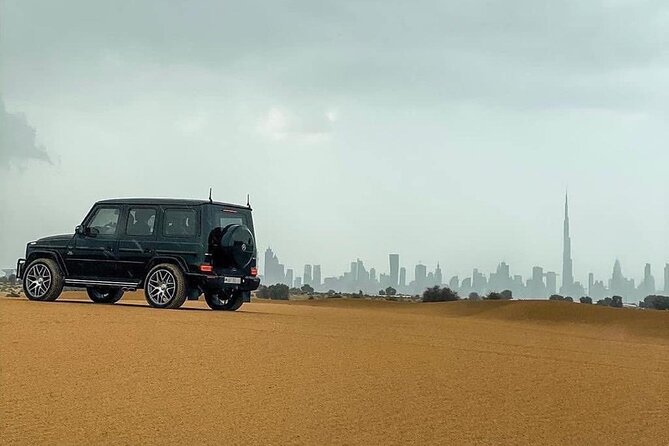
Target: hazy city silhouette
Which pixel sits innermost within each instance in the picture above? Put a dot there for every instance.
(541, 283)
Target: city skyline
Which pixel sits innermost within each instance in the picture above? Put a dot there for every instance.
(540, 284)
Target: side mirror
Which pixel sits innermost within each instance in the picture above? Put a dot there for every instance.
(79, 230)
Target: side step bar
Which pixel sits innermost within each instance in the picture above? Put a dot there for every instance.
(129, 286)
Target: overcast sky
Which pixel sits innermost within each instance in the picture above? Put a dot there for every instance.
(443, 131)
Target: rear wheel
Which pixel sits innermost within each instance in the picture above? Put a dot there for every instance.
(165, 286)
(224, 301)
(43, 280)
(105, 295)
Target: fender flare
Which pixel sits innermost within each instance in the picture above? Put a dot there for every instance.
(178, 261)
(53, 255)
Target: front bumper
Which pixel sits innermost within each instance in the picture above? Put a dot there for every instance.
(20, 264)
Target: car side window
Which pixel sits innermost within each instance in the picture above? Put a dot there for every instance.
(141, 222)
(105, 221)
(180, 222)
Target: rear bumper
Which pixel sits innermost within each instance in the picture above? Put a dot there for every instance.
(216, 282)
(20, 264)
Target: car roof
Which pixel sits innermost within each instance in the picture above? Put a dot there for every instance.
(168, 202)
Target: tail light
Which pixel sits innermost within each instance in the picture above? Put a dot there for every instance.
(254, 271)
(206, 268)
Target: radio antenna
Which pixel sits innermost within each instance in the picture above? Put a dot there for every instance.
(248, 201)
(210, 196)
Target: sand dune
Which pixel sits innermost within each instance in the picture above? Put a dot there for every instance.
(332, 372)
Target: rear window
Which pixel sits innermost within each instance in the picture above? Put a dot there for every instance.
(223, 218)
(180, 222)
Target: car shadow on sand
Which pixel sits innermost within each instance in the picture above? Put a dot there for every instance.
(140, 304)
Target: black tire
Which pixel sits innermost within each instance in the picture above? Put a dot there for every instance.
(102, 295)
(224, 302)
(43, 280)
(165, 286)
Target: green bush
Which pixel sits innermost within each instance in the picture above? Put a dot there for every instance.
(276, 292)
(437, 294)
(655, 302)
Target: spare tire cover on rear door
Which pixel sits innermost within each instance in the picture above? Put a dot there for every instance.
(232, 246)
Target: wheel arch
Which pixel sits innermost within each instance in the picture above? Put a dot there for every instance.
(164, 259)
(45, 254)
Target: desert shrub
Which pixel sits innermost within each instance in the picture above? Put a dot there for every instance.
(306, 288)
(494, 295)
(277, 292)
(569, 299)
(474, 296)
(556, 297)
(586, 300)
(507, 294)
(606, 302)
(437, 294)
(615, 301)
(390, 291)
(655, 302)
(332, 292)
(382, 293)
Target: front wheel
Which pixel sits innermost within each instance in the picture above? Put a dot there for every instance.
(105, 295)
(224, 301)
(165, 286)
(43, 280)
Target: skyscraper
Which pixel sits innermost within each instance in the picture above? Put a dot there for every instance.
(647, 286)
(567, 267)
(551, 283)
(307, 275)
(394, 269)
(403, 277)
(289, 278)
(437, 275)
(666, 279)
(420, 275)
(317, 276)
(273, 270)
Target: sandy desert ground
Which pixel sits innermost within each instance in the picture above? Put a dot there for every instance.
(332, 372)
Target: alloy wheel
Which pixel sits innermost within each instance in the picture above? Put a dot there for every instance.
(161, 287)
(38, 280)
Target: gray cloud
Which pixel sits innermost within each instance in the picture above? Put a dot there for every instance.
(568, 53)
(18, 139)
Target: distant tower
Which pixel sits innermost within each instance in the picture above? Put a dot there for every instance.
(289, 278)
(567, 268)
(666, 279)
(420, 275)
(394, 269)
(307, 275)
(403, 277)
(438, 276)
(316, 278)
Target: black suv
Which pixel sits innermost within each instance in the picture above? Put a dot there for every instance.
(173, 249)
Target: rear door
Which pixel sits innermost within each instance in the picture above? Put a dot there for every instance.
(180, 234)
(137, 241)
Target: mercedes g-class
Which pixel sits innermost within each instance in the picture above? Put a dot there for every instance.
(173, 249)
